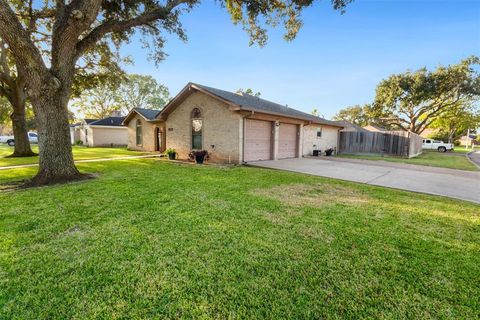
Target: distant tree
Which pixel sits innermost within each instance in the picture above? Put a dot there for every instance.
(357, 114)
(317, 113)
(98, 102)
(249, 91)
(412, 101)
(134, 91)
(455, 122)
(141, 91)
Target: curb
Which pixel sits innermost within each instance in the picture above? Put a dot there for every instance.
(468, 158)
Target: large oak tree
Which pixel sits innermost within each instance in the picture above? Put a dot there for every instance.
(412, 101)
(96, 66)
(77, 26)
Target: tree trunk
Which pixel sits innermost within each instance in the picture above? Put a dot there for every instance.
(20, 132)
(56, 163)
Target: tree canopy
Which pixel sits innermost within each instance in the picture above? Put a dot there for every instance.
(413, 100)
(135, 91)
(357, 114)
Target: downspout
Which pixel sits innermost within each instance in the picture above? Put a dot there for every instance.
(338, 141)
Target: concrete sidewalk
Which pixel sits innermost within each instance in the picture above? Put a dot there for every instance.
(86, 160)
(459, 184)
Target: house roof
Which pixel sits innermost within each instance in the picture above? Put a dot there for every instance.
(246, 102)
(348, 126)
(147, 114)
(372, 127)
(88, 121)
(109, 121)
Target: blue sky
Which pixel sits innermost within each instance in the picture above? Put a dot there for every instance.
(335, 61)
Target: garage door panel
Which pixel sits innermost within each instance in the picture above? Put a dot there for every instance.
(258, 140)
(287, 141)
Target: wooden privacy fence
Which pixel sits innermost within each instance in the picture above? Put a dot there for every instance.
(393, 143)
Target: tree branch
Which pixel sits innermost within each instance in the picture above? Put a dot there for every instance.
(118, 26)
(25, 52)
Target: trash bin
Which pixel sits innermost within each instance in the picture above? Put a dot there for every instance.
(316, 153)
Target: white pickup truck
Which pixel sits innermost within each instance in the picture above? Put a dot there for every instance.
(32, 137)
(436, 145)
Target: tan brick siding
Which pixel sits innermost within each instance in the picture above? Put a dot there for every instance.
(148, 133)
(220, 129)
(329, 138)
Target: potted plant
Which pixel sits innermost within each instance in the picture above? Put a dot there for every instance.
(329, 152)
(172, 153)
(198, 155)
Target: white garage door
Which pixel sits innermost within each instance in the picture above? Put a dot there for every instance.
(287, 141)
(258, 140)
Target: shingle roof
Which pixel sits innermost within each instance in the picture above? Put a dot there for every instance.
(149, 114)
(110, 121)
(348, 126)
(88, 121)
(253, 103)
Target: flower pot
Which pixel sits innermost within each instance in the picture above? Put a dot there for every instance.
(199, 159)
(172, 156)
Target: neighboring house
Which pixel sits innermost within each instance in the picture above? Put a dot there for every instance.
(428, 133)
(468, 140)
(373, 128)
(107, 132)
(233, 128)
(350, 127)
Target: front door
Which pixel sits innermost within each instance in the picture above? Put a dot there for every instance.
(158, 139)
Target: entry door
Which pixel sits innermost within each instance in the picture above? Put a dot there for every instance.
(287, 141)
(258, 140)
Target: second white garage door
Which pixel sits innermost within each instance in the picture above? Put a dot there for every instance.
(287, 141)
(258, 140)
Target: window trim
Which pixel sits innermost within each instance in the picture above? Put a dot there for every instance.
(192, 118)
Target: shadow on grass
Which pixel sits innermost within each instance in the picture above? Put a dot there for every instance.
(24, 184)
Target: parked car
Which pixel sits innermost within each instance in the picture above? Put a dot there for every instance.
(32, 137)
(440, 146)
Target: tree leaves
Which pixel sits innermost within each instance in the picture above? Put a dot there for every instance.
(413, 100)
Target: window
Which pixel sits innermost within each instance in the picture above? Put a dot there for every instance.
(33, 135)
(139, 135)
(197, 129)
(319, 132)
(427, 141)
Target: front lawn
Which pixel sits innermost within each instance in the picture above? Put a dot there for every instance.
(79, 153)
(152, 239)
(448, 159)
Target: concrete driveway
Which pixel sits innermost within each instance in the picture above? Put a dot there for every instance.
(459, 184)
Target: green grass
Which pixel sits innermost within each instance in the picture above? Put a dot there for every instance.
(152, 239)
(463, 150)
(79, 153)
(427, 158)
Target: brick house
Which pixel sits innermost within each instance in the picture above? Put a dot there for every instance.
(106, 132)
(233, 128)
